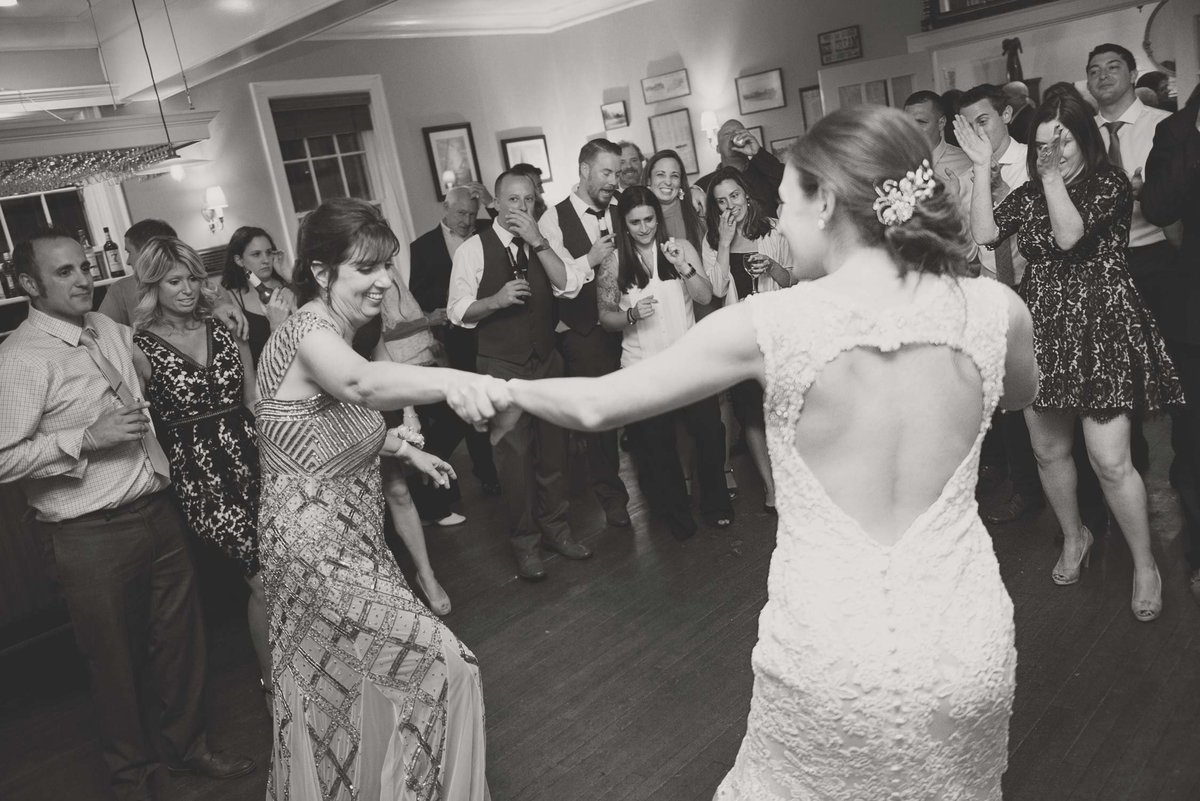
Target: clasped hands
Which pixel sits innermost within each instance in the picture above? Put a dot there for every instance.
(486, 403)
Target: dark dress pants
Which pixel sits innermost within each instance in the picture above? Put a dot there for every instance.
(660, 474)
(590, 355)
(131, 595)
(530, 460)
(460, 352)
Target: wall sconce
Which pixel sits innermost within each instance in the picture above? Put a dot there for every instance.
(448, 179)
(708, 124)
(213, 210)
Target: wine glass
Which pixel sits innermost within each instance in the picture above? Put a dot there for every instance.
(756, 265)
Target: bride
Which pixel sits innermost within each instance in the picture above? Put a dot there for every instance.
(885, 661)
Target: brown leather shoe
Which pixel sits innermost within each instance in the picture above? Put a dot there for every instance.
(215, 765)
(568, 547)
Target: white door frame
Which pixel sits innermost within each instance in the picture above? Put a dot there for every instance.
(393, 196)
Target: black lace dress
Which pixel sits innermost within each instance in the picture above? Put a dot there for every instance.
(210, 439)
(1098, 349)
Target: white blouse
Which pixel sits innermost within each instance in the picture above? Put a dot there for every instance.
(672, 318)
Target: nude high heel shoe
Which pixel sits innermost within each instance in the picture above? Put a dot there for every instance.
(1063, 573)
(1148, 606)
(439, 601)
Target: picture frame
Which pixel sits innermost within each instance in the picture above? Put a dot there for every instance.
(615, 115)
(528, 150)
(779, 147)
(452, 157)
(951, 12)
(811, 106)
(757, 132)
(842, 44)
(668, 86)
(672, 130)
(761, 91)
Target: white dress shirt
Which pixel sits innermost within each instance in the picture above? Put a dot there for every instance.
(950, 160)
(552, 230)
(1014, 172)
(453, 240)
(1135, 138)
(467, 272)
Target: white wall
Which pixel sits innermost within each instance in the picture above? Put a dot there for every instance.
(515, 85)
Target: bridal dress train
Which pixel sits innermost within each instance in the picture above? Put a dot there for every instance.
(881, 671)
(374, 698)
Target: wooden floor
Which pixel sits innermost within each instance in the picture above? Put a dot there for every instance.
(628, 676)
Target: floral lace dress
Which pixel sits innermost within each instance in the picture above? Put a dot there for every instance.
(1098, 349)
(209, 437)
(881, 671)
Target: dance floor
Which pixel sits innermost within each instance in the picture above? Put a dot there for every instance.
(627, 676)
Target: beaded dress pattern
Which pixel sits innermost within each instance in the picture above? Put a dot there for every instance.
(881, 671)
(374, 696)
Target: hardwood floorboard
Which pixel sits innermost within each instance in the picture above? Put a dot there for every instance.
(627, 677)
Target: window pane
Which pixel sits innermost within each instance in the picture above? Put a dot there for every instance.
(66, 211)
(320, 146)
(349, 143)
(329, 178)
(24, 216)
(292, 149)
(356, 176)
(304, 195)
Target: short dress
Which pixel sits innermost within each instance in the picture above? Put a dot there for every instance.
(1098, 349)
(210, 439)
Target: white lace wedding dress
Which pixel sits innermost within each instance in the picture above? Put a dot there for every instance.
(881, 671)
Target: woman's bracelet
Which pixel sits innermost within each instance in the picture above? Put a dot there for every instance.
(409, 435)
(630, 316)
(404, 446)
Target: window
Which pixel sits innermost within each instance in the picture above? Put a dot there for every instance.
(324, 143)
(22, 215)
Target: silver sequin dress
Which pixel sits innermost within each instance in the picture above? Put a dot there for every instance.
(374, 697)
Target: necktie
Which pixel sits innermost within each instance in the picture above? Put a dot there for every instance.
(154, 452)
(599, 215)
(1005, 273)
(1114, 144)
(521, 261)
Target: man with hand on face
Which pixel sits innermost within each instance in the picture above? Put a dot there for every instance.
(77, 437)
(761, 171)
(503, 284)
(632, 163)
(579, 229)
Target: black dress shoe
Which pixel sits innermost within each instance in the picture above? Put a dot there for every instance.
(567, 547)
(1011, 510)
(617, 517)
(215, 765)
(530, 567)
(491, 488)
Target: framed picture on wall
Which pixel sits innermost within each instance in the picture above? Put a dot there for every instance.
(811, 107)
(844, 44)
(760, 91)
(452, 157)
(528, 150)
(780, 147)
(673, 131)
(667, 86)
(615, 115)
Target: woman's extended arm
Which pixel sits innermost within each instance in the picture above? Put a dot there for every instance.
(1065, 221)
(979, 150)
(717, 353)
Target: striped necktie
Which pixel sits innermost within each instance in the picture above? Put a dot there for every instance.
(1114, 144)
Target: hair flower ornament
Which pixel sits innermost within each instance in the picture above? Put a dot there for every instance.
(898, 199)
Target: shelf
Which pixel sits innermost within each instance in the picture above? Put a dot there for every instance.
(23, 299)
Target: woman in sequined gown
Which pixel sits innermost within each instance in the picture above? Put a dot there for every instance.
(885, 661)
(374, 697)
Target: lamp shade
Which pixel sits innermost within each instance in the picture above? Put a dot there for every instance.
(214, 198)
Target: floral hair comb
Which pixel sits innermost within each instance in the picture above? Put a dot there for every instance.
(898, 199)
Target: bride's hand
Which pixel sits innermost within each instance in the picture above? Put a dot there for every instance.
(474, 399)
(434, 470)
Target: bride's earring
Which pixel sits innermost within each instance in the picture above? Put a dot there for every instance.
(820, 223)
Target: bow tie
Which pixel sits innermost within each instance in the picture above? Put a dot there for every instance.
(597, 213)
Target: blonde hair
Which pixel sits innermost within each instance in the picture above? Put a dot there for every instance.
(157, 258)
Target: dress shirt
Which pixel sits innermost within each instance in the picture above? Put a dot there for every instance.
(773, 244)
(1014, 172)
(50, 391)
(120, 299)
(453, 240)
(467, 272)
(552, 230)
(1135, 138)
(951, 160)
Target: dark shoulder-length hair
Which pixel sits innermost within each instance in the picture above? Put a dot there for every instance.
(233, 277)
(691, 218)
(1066, 105)
(630, 270)
(755, 224)
(340, 231)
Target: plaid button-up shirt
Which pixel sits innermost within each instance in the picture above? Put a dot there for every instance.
(50, 391)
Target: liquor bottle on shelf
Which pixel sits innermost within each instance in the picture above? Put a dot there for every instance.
(93, 262)
(112, 257)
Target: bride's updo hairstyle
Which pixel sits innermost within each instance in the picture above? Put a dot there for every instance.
(340, 231)
(852, 151)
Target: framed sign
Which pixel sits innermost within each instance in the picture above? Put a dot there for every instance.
(452, 157)
(844, 44)
(780, 147)
(673, 131)
(667, 86)
(615, 115)
(527, 150)
(760, 92)
(950, 12)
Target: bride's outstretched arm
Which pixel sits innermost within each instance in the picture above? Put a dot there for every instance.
(717, 353)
